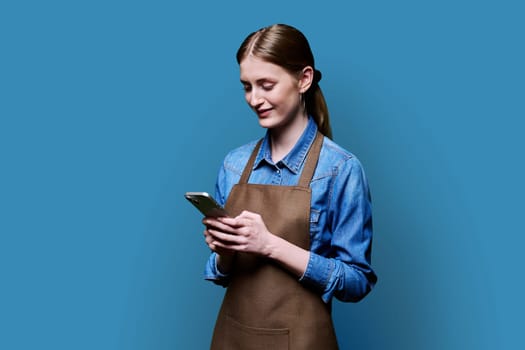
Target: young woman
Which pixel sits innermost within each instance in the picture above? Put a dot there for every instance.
(300, 225)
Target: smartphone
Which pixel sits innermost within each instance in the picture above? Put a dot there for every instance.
(206, 204)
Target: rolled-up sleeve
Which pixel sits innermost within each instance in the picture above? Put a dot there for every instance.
(346, 273)
(212, 272)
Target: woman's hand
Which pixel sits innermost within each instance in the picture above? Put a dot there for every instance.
(211, 240)
(248, 233)
(245, 233)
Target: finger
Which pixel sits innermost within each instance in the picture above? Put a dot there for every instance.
(222, 226)
(240, 222)
(209, 239)
(226, 238)
(209, 221)
(207, 233)
(215, 248)
(223, 247)
(232, 222)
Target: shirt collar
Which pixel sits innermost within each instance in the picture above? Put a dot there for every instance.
(295, 158)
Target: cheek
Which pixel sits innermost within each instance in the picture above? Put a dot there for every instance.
(276, 97)
(287, 96)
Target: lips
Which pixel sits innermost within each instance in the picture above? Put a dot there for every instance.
(264, 112)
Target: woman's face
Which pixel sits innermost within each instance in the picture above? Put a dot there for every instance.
(272, 92)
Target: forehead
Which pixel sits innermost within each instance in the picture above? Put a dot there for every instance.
(253, 69)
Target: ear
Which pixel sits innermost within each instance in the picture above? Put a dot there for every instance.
(306, 78)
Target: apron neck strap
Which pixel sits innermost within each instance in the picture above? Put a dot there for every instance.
(308, 171)
(311, 161)
(249, 166)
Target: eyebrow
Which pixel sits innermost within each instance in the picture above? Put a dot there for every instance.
(262, 80)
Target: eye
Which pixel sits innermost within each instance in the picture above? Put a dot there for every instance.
(267, 86)
(246, 87)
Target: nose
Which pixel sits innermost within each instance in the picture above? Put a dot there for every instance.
(255, 99)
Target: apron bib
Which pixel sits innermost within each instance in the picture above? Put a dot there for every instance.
(265, 307)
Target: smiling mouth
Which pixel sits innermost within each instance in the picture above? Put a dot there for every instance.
(263, 112)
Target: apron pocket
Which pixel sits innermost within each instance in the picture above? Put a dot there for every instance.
(242, 337)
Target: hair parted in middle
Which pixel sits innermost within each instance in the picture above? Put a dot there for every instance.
(287, 47)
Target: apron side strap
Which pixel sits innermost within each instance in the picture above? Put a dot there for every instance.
(311, 161)
(249, 166)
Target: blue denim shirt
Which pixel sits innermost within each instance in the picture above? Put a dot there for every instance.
(340, 219)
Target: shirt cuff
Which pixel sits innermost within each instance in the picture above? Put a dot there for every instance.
(318, 274)
(212, 272)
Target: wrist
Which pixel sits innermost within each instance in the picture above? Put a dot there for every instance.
(272, 246)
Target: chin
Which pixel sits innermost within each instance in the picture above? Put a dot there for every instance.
(266, 123)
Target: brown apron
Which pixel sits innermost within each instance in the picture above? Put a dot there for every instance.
(265, 307)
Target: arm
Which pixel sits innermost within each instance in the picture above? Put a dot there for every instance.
(346, 273)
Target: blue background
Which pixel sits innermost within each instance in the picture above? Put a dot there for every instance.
(111, 110)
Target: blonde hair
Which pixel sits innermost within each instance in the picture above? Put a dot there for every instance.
(288, 48)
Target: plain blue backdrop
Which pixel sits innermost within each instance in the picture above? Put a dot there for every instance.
(111, 110)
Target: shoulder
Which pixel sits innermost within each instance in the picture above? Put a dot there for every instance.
(334, 150)
(334, 160)
(344, 173)
(236, 159)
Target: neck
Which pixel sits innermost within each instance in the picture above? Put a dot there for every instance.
(282, 140)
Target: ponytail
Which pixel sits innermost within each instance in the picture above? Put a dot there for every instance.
(317, 108)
